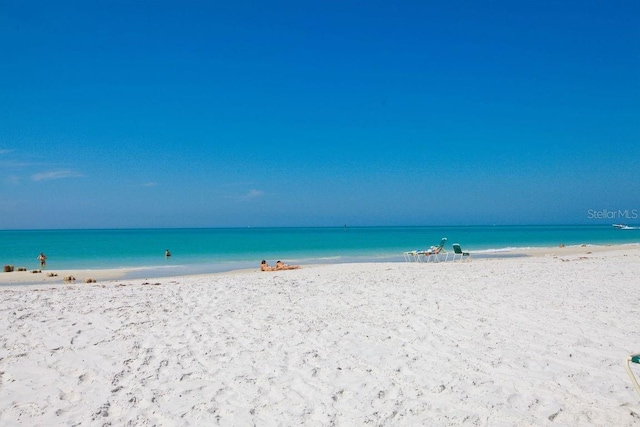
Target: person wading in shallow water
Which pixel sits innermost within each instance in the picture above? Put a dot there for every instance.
(43, 259)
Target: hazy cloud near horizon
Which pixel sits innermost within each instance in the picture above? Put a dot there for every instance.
(252, 194)
(57, 174)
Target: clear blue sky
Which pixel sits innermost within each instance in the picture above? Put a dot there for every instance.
(317, 113)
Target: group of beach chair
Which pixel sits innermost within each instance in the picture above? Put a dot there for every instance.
(436, 253)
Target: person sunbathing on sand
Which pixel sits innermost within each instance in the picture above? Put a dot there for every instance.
(282, 266)
(265, 267)
(279, 266)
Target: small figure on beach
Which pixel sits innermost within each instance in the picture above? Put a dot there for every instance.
(43, 259)
(432, 250)
(279, 266)
(167, 253)
(265, 267)
(282, 266)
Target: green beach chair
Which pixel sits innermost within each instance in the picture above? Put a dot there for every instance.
(634, 358)
(457, 251)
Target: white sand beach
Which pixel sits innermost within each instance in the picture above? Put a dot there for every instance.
(527, 341)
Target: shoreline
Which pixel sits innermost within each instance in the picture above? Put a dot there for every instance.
(140, 252)
(30, 279)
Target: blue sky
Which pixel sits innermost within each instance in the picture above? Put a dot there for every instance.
(309, 113)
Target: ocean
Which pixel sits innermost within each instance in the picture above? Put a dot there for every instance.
(212, 250)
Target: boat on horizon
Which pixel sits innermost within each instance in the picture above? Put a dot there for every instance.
(625, 227)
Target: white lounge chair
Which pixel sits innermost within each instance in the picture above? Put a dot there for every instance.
(411, 256)
(634, 358)
(433, 254)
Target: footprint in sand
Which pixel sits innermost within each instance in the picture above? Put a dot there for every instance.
(103, 411)
(516, 400)
(70, 396)
(74, 338)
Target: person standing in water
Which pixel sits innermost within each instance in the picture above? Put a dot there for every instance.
(43, 259)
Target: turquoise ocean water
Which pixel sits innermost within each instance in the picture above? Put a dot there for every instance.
(222, 249)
